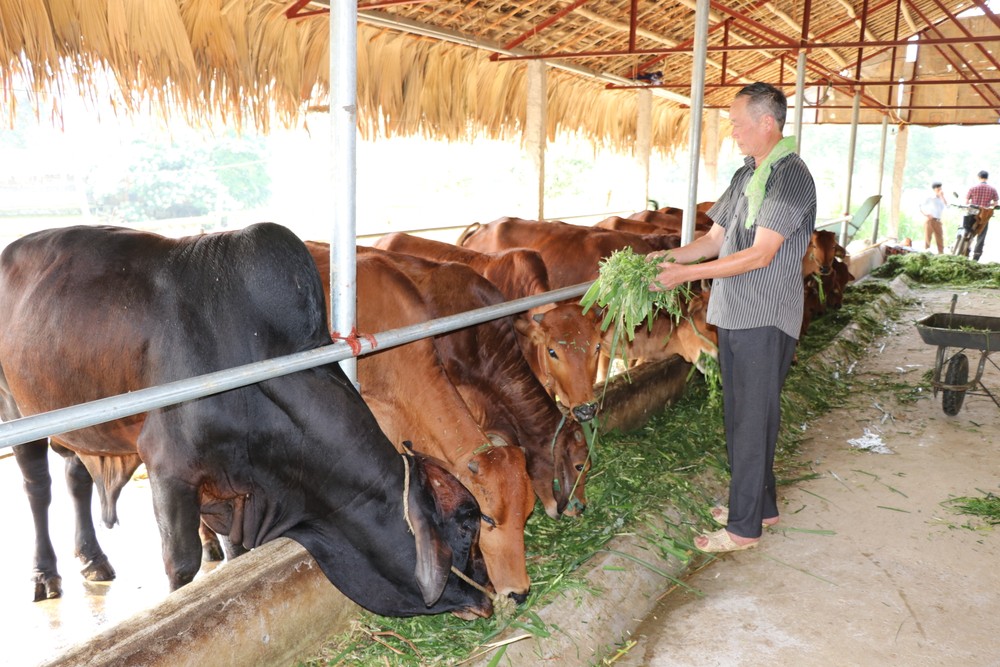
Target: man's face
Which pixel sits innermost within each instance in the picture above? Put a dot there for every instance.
(750, 134)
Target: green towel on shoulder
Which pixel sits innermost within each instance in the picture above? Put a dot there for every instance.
(755, 188)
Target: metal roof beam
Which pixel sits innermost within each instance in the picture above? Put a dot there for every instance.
(749, 47)
(383, 20)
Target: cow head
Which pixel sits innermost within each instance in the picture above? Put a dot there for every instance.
(562, 345)
(445, 518)
(693, 337)
(571, 456)
(498, 478)
(821, 252)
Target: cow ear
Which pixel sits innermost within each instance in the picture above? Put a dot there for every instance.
(433, 553)
(528, 327)
(595, 313)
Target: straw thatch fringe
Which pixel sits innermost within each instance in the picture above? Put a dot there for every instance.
(242, 62)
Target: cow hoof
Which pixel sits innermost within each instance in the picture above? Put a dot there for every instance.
(212, 552)
(98, 569)
(47, 588)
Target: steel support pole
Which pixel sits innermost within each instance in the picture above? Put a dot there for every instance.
(102, 410)
(800, 91)
(881, 168)
(850, 166)
(344, 127)
(697, 106)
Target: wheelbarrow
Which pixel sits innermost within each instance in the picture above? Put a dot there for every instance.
(962, 333)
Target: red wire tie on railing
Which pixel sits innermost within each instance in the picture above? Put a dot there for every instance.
(353, 341)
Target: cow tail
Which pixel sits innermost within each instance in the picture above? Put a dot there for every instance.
(468, 232)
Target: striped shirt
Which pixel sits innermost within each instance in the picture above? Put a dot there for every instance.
(770, 296)
(982, 195)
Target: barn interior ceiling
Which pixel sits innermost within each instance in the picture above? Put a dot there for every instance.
(915, 61)
(448, 68)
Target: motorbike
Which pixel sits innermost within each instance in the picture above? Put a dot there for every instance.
(973, 224)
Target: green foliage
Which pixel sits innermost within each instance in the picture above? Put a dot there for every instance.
(173, 180)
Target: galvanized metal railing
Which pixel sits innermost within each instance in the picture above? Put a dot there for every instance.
(44, 424)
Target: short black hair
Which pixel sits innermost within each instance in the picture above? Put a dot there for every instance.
(935, 185)
(984, 174)
(765, 98)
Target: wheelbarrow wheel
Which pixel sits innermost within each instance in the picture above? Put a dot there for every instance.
(957, 374)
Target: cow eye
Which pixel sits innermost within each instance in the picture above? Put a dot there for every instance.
(598, 348)
(489, 521)
(552, 353)
(579, 467)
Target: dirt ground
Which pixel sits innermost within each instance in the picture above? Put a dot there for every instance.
(868, 566)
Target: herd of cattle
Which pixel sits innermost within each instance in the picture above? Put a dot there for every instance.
(411, 496)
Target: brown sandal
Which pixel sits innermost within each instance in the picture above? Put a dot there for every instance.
(720, 515)
(721, 542)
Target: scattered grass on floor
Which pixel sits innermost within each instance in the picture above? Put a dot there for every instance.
(985, 507)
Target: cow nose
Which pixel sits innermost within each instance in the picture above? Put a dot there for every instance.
(825, 270)
(519, 598)
(575, 508)
(586, 412)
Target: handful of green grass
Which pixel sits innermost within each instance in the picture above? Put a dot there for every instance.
(622, 289)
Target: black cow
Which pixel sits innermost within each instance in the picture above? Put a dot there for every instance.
(97, 311)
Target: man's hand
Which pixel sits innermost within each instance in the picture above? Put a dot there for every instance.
(670, 276)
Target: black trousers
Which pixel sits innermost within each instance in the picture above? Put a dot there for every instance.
(754, 364)
(969, 222)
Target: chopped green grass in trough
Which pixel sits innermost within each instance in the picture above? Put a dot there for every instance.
(657, 481)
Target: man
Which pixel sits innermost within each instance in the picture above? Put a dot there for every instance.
(933, 209)
(982, 195)
(763, 224)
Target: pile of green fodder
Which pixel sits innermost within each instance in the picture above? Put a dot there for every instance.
(985, 507)
(672, 470)
(940, 270)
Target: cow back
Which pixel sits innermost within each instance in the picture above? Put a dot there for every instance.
(571, 252)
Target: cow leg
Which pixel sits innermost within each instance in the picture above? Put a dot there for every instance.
(32, 459)
(216, 547)
(96, 566)
(175, 504)
(211, 550)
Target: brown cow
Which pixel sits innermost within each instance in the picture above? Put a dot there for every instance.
(413, 399)
(631, 226)
(571, 252)
(559, 341)
(820, 254)
(690, 338)
(824, 275)
(486, 367)
(670, 219)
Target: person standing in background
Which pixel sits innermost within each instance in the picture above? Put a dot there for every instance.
(933, 208)
(982, 195)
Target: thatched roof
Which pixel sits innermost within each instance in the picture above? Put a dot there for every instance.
(446, 69)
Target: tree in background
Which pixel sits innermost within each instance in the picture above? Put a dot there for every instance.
(163, 180)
